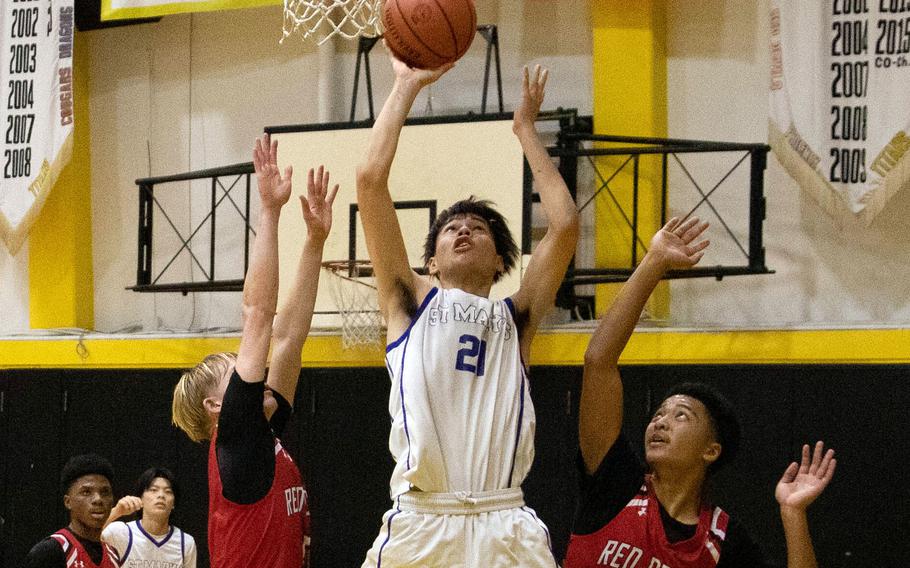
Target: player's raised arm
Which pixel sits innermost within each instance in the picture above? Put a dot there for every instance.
(260, 288)
(292, 325)
(600, 412)
(799, 487)
(396, 282)
(552, 255)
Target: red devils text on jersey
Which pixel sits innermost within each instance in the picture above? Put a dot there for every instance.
(267, 534)
(76, 555)
(635, 538)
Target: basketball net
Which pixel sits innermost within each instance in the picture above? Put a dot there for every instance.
(358, 305)
(320, 20)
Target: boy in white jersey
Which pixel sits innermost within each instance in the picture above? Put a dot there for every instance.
(463, 423)
(150, 540)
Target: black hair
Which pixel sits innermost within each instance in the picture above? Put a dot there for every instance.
(723, 418)
(85, 464)
(150, 475)
(499, 228)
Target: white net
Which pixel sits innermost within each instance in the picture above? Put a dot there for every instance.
(319, 20)
(353, 287)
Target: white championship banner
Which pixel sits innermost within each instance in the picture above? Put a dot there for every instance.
(128, 9)
(840, 100)
(36, 94)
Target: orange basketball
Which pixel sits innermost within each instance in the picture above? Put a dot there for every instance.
(429, 33)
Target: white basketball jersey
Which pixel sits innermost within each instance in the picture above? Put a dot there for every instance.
(139, 549)
(462, 417)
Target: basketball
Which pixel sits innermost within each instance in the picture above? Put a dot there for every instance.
(429, 33)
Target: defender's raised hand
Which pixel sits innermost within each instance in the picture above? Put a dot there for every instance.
(532, 94)
(801, 484)
(317, 204)
(673, 243)
(274, 189)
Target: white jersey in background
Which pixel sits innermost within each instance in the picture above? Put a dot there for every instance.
(462, 417)
(139, 549)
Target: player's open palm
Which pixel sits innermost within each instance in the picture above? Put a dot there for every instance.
(802, 483)
(532, 93)
(274, 188)
(317, 204)
(677, 244)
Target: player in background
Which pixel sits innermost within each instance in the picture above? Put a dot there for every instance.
(150, 540)
(87, 495)
(258, 511)
(662, 518)
(462, 430)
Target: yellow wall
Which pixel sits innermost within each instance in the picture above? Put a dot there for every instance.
(61, 287)
(629, 59)
(875, 346)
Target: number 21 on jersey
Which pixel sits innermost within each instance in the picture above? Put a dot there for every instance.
(472, 357)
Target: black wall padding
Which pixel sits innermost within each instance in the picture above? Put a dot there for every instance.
(339, 437)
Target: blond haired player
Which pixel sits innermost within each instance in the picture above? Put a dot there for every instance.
(258, 513)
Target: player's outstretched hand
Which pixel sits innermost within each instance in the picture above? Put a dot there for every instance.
(125, 506)
(532, 94)
(802, 483)
(274, 189)
(317, 204)
(673, 243)
(413, 77)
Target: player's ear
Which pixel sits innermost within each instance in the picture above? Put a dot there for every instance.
(212, 405)
(67, 502)
(432, 268)
(712, 452)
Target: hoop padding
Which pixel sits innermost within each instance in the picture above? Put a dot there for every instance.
(353, 287)
(320, 20)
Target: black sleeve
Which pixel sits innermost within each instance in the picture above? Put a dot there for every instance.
(46, 554)
(613, 485)
(282, 415)
(245, 445)
(739, 549)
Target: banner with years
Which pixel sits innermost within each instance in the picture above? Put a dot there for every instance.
(840, 100)
(36, 95)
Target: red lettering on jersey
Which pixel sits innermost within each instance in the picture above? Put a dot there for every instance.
(635, 538)
(270, 532)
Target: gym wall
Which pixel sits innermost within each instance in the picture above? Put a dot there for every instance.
(191, 92)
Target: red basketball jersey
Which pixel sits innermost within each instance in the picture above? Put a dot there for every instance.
(267, 534)
(76, 555)
(635, 538)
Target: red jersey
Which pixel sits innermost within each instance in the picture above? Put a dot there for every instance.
(635, 538)
(76, 555)
(267, 534)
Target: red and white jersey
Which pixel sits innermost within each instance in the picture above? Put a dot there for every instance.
(635, 538)
(267, 534)
(462, 416)
(76, 555)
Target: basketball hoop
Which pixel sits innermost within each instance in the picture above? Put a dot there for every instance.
(353, 287)
(324, 19)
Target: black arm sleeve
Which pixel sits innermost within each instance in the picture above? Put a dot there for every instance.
(739, 549)
(613, 485)
(46, 554)
(246, 445)
(281, 416)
